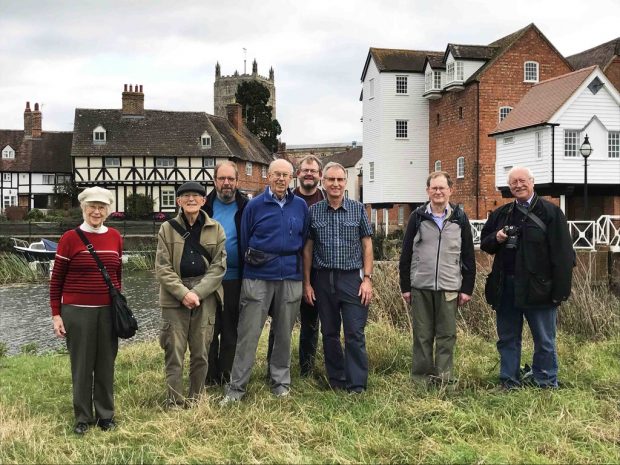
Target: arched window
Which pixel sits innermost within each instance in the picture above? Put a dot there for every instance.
(438, 165)
(460, 167)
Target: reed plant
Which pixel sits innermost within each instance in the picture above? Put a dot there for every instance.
(15, 269)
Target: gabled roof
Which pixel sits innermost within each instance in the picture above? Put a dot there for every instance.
(542, 101)
(435, 61)
(395, 60)
(347, 159)
(49, 154)
(601, 55)
(502, 45)
(164, 134)
(470, 52)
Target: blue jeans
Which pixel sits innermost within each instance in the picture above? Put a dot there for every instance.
(340, 307)
(542, 323)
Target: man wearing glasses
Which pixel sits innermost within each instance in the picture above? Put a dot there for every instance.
(225, 204)
(273, 231)
(338, 279)
(437, 274)
(189, 265)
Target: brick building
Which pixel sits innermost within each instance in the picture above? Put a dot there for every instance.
(606, 56)
(469, 106)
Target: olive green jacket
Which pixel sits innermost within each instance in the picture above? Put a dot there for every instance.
(168, 262)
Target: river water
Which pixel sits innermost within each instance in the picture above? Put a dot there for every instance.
(25, 315)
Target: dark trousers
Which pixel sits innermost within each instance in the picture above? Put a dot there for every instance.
(222, 351)
(308, 337)
(542, 323)
(339, 305)
(92, 350)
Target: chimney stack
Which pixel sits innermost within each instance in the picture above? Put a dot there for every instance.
(37, 128)
(233, 111)
(133, 101)
(28, 121)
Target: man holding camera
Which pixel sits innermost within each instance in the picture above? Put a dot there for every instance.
(531, 276)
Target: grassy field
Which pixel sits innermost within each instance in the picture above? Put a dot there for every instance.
(394, 421)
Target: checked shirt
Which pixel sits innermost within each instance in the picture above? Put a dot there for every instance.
(337, 235)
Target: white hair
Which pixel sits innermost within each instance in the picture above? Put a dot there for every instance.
(530, 175)
(271, 165)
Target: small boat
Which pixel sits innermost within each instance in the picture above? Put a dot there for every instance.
(40, 251)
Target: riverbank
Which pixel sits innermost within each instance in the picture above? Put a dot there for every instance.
(394, 421)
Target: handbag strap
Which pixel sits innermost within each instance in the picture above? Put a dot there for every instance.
(100, 264)
(187, 236)
(533, 217)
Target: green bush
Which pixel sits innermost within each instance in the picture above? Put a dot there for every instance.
(30, 348)
(35, 215)
(138, 207)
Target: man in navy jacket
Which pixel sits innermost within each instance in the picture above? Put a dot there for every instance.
(274, 227)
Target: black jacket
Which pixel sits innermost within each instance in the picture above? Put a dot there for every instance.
(466, 255)
(543, 262)
(241, 200)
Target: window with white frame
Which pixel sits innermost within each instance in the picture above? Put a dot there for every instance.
(571, 142)
(164, 162)
(9, 200)
(168, 197)
(401, 84)
(450, 72)
(460, 71)
(48, 179)
(460, 167)
(613, 144)
(503, 112)
(8, 152)
(436, 79)
(263, 171)
(530, 71)
(371, 88)
(508, 140)
(99, 135)
(205, 140)
(371, 171)
(208, 162)
(110, 162)
(428, 81)
(438, 165)
(6, 177)
(401, 128)
(63, 179)
(401, 215)
(539, 144)
(248, 168)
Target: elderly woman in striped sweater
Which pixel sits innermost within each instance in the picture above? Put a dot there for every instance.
(81, 312)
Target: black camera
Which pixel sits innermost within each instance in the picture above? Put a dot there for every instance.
(513, 236)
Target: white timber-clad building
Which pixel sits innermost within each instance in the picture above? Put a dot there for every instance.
(546, 129)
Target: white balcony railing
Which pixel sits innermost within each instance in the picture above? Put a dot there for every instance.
(586, 235)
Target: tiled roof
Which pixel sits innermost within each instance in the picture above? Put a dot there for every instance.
(164, 133)
(600, 55)
(49, 154)
(347, 159)
(471, 52)
(436, 61)
(389, 59)
(542, 101)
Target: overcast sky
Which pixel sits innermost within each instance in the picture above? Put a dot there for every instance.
(68, 54)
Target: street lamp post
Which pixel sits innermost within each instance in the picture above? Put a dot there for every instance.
(585, 150)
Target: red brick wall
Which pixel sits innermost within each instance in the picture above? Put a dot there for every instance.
(253, 184)
(500, 85)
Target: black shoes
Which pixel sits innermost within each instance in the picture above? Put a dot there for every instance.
(81, 428)
(106, 425)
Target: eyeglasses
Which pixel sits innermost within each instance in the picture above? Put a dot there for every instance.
(438, 188)
(309, 171)
(190, 196)
(99, 208)
(335, 179)
(516, 182)
(225, 178)
(279, 175)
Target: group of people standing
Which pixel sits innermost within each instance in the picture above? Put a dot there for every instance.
(226, 263)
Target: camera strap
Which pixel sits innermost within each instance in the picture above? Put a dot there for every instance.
(533, 217)
(186, 236)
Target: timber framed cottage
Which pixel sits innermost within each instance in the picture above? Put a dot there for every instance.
(152, 152)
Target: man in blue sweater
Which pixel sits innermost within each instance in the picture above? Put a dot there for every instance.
(274, 227)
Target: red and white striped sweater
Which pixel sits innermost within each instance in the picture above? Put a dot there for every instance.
(76, 279)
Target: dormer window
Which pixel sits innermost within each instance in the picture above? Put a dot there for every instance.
(99, 135)
(8, 153)
(205, 140)
(530, 71)
(455, 71)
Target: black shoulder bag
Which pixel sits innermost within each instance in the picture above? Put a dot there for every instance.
(187, 236)
(124, 323)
